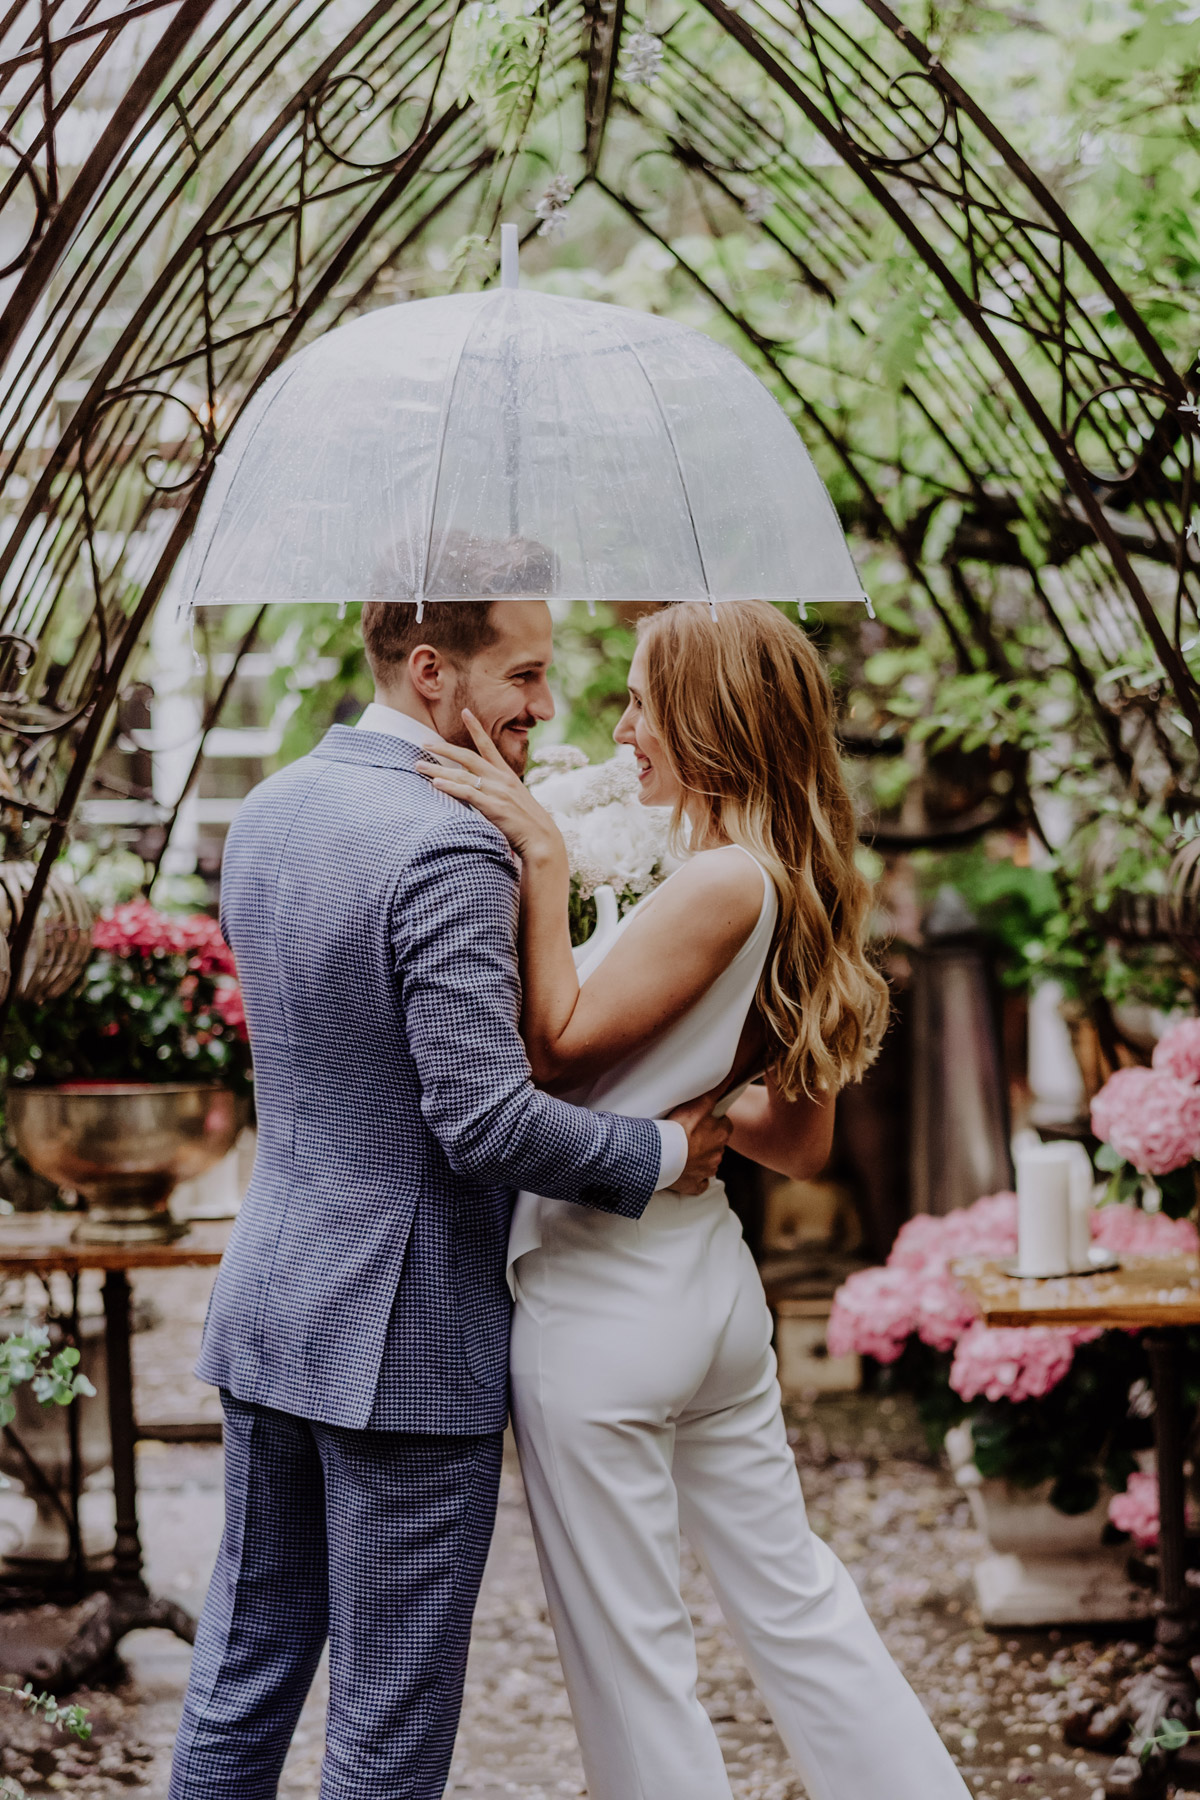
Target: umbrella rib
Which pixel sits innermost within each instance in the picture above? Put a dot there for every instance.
(687, 498)
(443, 425)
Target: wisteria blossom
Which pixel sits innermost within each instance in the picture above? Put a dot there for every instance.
(643, 59)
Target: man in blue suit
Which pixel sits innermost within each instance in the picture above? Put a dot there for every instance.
(358, 1328)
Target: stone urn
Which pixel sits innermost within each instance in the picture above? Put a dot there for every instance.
(1043, 1567)
(123, 1146)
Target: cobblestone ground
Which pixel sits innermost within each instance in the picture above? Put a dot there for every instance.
(893, 1516)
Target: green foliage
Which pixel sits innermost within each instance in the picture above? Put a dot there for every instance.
(56, 1379)
(27, 1357)
(322, 678)
(1078, 1436)
(591, 661)
(1171, 1735)
(71, 1719)
(496, 58)
(1018, 908)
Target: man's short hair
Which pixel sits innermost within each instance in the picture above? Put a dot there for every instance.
(458, 628)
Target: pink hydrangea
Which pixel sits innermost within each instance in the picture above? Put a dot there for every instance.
(1178, 1051)
(1151, 1119)
(873, 1313)
(1128, 1231)
(988, 1228)
(1136, 1510)
(944, 1311)
(1021, 1362)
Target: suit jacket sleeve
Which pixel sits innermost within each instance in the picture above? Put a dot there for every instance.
(454, 938)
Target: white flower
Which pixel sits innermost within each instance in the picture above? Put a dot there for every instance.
(643, 58)
(551, 209)
(757, 204)
(555, 759)
(612, 839)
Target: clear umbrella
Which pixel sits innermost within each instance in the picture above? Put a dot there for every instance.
(513, 442)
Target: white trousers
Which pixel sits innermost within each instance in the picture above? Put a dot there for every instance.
(645, 1399)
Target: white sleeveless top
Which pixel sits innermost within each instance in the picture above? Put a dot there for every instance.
(693, 1055)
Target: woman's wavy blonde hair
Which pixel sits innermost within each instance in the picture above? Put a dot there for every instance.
(743, 710)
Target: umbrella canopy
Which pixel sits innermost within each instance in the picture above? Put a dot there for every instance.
(512, 442)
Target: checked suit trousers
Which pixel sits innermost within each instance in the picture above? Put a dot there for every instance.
(375, 1540)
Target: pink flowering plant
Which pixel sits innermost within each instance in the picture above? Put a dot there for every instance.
(1148, 1123)
(1060, 1404)
(158, 1001)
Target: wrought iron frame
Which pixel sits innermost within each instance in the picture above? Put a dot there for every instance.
(241, 155)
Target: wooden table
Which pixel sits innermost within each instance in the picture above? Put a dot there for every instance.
(43, 1244)
(1159, 1297)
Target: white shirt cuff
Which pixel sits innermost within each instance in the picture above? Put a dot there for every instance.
(674, 1152)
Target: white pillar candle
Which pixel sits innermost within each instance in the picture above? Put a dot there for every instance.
(1082, 1180)
(1043, 1211)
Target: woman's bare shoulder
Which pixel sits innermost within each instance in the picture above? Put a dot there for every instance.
(721, 888)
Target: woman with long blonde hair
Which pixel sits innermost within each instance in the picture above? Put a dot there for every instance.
(643, 1383)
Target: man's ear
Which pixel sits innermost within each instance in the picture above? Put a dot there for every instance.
(427, 671)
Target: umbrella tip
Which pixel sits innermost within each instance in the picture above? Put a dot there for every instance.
(509, 253)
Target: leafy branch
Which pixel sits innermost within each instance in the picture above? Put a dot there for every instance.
(56, 1380)
(72, 1719)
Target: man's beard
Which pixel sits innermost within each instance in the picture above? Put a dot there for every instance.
(515, 755)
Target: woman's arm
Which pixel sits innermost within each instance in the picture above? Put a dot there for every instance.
(667, 958)
(793, 1137)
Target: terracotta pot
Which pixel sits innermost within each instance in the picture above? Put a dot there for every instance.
(124, 1146)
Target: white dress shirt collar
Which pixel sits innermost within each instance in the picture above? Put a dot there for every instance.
(390, 723)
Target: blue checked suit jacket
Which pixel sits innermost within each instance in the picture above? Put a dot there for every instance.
(374, 925)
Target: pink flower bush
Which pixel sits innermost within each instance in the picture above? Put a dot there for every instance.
(1128, 1231)
(230, 1007)
(1178, 1052)
(1151, 1119)
(873, 1314)
(1136, 1510)
(139, 929)
(944, 1310)
(876, 1310)
(988, 1228)
(1021, 1362)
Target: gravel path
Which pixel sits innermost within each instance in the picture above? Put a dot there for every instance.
(894, 1517)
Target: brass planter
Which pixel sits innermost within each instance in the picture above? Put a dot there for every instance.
(124, 1146)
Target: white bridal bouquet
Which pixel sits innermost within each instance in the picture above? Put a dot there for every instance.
(612, 840)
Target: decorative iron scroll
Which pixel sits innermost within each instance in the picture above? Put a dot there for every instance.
(259, 173)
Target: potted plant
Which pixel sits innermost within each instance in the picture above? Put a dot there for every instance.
(1043, 1425)
(138, 1077)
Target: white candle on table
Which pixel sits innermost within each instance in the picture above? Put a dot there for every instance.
(1043, 1211)
(1081, 1180)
